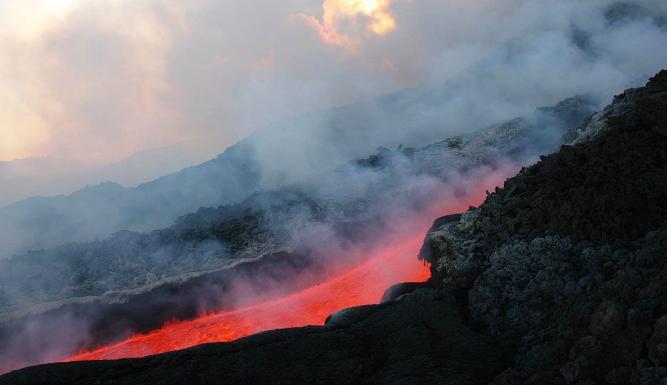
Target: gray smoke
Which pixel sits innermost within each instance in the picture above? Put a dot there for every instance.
(294, 186)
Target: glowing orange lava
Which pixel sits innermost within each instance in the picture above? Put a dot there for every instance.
(393, 262)
(362, 285)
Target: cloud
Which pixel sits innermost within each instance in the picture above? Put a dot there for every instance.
(90, 82)
(474, 64)
(100, 80)
(377, 16)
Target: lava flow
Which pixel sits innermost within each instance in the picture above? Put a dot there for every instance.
(363, 284)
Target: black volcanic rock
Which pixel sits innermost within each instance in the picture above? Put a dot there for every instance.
(419, 340)
(607, 189)
(567, 264)
(395, 292)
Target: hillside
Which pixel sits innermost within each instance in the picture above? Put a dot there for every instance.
(295, 151)
(172, 268)
(25, 178)
(101, 210)
(565, 265)
(525, 288)
(305, 147)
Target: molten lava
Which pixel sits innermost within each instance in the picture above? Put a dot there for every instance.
(363, 284)
(393, 262)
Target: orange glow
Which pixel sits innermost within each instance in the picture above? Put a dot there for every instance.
(376, 13)
(381, 21)
(394, 262)
(363, 284)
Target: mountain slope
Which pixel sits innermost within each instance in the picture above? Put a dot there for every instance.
(106, 208)
(25, 178)
(295, 151)
(563, 304)
(565, 265)
(309, 145)
(188, 265)
(210, 238)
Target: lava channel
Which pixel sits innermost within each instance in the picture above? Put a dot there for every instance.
(364, 284)
(361, 285)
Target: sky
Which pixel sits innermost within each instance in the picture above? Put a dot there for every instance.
(99, 80)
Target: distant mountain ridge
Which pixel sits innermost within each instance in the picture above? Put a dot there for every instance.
(52, 176)
(100, 210)
(291, 152)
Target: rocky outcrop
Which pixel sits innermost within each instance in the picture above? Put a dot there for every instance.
(566, 265)
(517, 140)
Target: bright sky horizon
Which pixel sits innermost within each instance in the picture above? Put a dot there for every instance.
(100, 80)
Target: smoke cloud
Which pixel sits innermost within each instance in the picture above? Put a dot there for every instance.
(104, 79)
(99, 80)
(474, 64)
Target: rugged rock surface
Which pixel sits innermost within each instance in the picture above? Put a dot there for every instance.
(518, 140)
(566, 265)
(418, 340)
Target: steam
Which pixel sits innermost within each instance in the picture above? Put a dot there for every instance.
(483, 63)
(206, 70)
(380, 20)
(178, 75)
(322, 248)
(447, 70)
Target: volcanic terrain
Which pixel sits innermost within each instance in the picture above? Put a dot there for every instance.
(557, 278)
